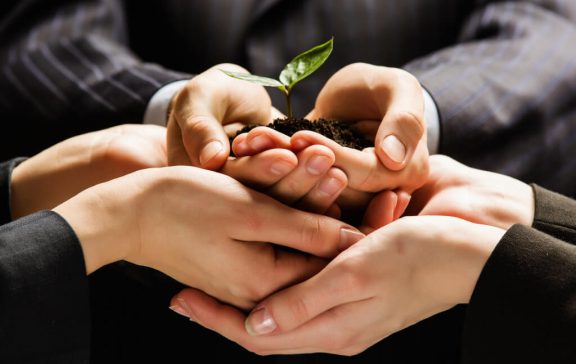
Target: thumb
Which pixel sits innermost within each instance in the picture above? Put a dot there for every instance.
(296, 305)
(402, 127)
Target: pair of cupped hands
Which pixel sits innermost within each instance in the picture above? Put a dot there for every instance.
(339, 288)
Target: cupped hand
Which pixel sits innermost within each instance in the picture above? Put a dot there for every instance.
(211, 104)
(385, 104)
(306, 180)
(205, 230)
(60, 172)
(398, 275)
(453, 189)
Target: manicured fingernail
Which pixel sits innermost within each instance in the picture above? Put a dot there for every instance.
(280, 168)
(210, 151)
(259, 143)
(181, 308)
(260, 322)
(394, 148)
(318, 165)
(330, 186)
(349, 237)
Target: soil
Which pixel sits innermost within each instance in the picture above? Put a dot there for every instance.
(339, 131)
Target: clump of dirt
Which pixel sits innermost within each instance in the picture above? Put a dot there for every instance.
(339, 131)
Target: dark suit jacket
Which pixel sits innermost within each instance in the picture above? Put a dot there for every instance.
(502, 73)
(44, 303)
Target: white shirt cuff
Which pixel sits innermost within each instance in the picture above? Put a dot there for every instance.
(432, 123)
(158, 106)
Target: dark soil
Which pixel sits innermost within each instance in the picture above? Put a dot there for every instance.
(339, 131)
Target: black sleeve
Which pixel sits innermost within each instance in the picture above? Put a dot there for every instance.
(508, 83)
(5, 177)
(523, 309)
(44, 306)
(555, 214)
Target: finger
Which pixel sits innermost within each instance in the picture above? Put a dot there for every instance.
(261, 170)
(267, 220)
(317, 335)
(364, 170)
(402, 127)
(380, 211)
(334, 211)
(290, 308)
(258, 140)
(177, 154)
(313, 163)
(403, 202)
(325, 193)
(204, 138)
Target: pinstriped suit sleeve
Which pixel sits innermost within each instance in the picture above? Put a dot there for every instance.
(69, 62)
(505, 91)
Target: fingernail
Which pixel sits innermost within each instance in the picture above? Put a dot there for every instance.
(330, 186)
(241, 148)
(181, 308)
(260, 322)
(280, 168)
(259, 143)
(210, 151)
(349, 237)
(318, 165)
(394, 148)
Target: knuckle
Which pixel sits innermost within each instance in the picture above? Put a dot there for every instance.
(409, 121)
(299, 310)
(311, 233)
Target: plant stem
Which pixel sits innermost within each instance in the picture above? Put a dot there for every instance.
(288, 103)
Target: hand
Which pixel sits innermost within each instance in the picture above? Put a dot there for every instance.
(454, 189)
(60, 172)
(387, 105)
(306, 181)
(205, 230)
(398, 275)
(351, 202)
(209, 105)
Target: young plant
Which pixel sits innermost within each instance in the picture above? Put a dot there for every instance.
(302, 66)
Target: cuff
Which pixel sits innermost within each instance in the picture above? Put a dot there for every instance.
(157, 108)
(44, 292)
(6, 169)
(432, 122)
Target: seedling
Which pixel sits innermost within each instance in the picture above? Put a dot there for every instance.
(302, 66)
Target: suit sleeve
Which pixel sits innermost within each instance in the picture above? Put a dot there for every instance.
(555, 214)
(44, 307)
(523, 309)
(67, 64)
(505, 90)
(6, 169)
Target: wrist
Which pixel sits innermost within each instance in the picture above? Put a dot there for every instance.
(508, 200)
(101, 225)
(476, 244)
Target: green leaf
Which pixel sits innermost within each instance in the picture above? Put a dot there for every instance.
(264, 81)
(304, 64)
